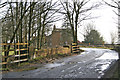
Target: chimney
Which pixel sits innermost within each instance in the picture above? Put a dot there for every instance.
(54, 27)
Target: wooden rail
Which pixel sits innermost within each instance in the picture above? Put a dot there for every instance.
(14, 43)
(18, 50)
(15, 50)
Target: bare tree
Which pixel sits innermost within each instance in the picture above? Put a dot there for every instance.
(75, 11)
(18, 22)
(88, 28)
(28, 21)
(116, 4)
(113, 37)
(46, 17)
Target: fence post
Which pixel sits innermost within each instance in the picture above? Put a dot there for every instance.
(14, 48)
(5, 54)
(18, 53)
(75, 48)
(27, 50)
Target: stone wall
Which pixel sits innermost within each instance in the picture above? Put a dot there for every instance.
(56, 39)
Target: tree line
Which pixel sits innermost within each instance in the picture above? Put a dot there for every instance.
(31, 21)
(28, 21)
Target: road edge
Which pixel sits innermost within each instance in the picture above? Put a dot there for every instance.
(110, 72)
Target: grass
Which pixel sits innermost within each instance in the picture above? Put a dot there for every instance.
(36, 49)
(25, 66)
(38, 60)
(115, 74)
(10, 53)
(4, 69)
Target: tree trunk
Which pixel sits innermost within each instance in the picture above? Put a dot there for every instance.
(39, 29)
(11, 40)
(43, 30)
(21, 23)
(16, 19)
(42, 36)
(29, 32)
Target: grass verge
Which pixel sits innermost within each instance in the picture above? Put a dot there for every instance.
(34, 63)
(37, 62)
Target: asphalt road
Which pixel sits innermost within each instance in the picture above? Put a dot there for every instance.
(90, 64)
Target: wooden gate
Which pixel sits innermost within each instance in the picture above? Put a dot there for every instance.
(16, 54)
(75, 48)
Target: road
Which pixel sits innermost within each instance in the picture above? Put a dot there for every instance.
(89, 64)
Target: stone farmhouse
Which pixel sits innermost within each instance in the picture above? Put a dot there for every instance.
(59, 37)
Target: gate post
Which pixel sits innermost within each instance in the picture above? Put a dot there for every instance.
(75, 48)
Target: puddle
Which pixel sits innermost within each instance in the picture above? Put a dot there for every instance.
(109, 55)
(79, 68)
(71, 67)
(79, 62)
(63, 71)
(71, 62)
(70, 76)
(97, 70)
(54, 65)
(102, 74)
(80, 72)
(91, 67)
(83, 53)
(104, 67)
(101, 69)
(71, 71)
(99, 77)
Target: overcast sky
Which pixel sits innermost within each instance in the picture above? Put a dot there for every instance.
(105, 23)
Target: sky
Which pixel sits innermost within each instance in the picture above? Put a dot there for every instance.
(105, 23)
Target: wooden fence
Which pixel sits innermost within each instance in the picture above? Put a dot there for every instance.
(19, 53)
